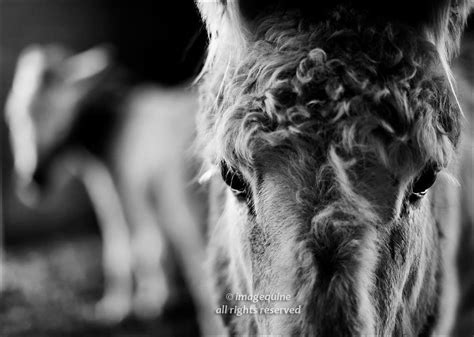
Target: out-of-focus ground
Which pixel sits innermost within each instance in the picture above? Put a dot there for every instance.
(51, 287)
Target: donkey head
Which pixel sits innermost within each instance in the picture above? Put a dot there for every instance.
(41, 107)
(329, 123)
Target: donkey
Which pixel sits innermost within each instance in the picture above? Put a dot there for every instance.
(328, 131)
(127, 142)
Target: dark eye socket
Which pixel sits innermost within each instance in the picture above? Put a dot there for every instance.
(234, 179)
(423, 182)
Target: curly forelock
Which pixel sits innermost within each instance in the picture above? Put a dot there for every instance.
(366, 88)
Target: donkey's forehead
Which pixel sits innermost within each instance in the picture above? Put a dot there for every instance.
(339, 90)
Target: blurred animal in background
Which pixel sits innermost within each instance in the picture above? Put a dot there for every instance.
(129, 144)
(329, 131)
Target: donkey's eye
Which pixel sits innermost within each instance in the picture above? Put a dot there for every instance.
(423, 182)
(234, 179)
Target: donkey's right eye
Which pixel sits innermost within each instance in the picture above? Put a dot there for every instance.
(422, 184)
(234, 179)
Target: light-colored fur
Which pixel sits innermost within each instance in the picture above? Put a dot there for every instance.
(329, 118)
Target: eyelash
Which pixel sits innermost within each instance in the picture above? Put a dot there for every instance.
(234, 179)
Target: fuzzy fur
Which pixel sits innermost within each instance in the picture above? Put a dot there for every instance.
(329, 121)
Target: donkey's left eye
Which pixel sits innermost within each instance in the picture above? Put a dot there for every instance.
(423, 182)
(235, 181)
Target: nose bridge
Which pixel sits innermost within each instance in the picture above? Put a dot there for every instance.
(345, 255)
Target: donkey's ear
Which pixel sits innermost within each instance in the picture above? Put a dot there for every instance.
(235, 17)
(445, 23)
(87, 64)
(245, 11)
(30, 65)
(32, 52)
(29, 68)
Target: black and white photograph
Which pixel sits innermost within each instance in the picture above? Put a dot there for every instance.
(224, 168)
